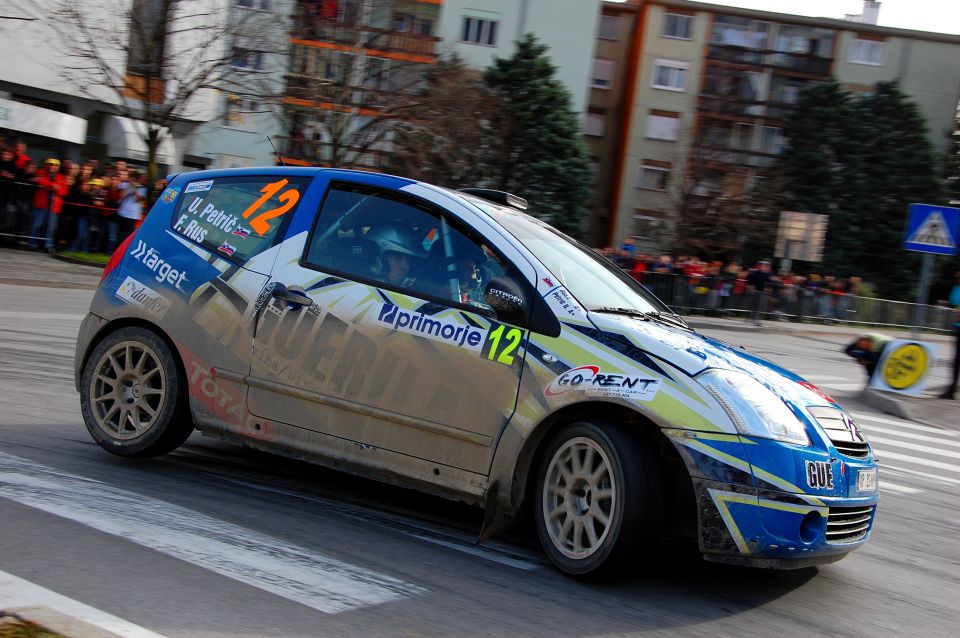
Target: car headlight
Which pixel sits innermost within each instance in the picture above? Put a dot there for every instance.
(754, 408)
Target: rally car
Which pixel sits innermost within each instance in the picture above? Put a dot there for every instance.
(452, 342)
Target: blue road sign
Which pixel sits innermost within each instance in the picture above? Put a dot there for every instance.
(932, 229)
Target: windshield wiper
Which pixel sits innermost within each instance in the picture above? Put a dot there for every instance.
(660, 317)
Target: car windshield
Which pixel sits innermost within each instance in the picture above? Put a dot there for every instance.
(595, 281)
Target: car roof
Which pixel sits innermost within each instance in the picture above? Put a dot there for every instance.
(304, 171)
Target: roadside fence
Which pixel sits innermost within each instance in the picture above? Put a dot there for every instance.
(800, 305)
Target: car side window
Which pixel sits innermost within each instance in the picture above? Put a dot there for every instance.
(237, 217)
(401, 245)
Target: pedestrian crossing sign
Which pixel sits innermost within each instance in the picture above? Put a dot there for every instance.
(932, 229)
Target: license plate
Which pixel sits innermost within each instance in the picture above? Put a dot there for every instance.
(867, 481)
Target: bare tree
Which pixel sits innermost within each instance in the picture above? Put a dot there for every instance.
(355, 73)
(162, 61)
(449, 138)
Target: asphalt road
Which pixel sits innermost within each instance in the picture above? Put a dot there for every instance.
(214, 540)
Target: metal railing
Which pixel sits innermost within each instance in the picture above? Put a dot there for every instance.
(712, 298)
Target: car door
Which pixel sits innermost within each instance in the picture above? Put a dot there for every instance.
(410, 360)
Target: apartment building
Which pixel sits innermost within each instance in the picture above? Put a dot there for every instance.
(356, 65)
(705, 90)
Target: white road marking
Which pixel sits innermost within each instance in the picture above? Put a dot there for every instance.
(883, 456)
(16, 314)
(490, 551)
(904, 424)
(16, 592)
(899, 489)
(936, 477)
(841, 386)
(325, 584)
(909, 435)
(913, 446)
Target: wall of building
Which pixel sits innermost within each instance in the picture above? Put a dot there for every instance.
(567, 27)
(639, 147)
(928, 71)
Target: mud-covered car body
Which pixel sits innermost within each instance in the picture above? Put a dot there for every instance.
(272, 294)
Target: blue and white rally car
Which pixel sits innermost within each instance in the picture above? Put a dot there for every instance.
(449, 341)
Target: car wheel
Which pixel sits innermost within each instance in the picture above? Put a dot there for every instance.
(598, 499)
(133, 396)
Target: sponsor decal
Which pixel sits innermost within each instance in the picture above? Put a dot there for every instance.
(202, 216)
(169, 195)
(150, 257)
(819, 475)
(436, 329)
(241, 232)
(595, 382)
(562, 302)
(852, 426)
(816, 390)
(508, 297)
(196, 187)
(139, 294)
(227, 249)
(548, 281)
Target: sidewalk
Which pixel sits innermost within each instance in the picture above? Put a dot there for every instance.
(23, 268)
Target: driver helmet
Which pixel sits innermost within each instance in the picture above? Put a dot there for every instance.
(389, 238)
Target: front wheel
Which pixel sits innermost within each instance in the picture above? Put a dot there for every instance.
(599, 498)
(133, 396)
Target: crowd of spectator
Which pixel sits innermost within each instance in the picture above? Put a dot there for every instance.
(716, 287)
(61, 204)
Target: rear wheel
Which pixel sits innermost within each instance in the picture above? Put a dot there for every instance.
(133, 396)
(598, 499)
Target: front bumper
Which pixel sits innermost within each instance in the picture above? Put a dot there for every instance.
(755, 505)
(766, 528)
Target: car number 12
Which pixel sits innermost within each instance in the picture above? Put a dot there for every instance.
(501, 343)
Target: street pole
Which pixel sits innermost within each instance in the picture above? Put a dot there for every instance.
(920, 312)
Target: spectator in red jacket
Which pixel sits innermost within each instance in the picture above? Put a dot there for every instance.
(47, 203)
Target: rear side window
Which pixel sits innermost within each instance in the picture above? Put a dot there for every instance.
(237, 217)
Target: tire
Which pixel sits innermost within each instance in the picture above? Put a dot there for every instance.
(599, 499)
(133, 396)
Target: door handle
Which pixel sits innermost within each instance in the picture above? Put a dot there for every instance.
(292, 296)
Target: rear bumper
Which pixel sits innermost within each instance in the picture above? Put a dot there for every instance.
(89, 328)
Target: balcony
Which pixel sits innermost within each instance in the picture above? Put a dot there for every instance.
(365, 37)
(798, 62)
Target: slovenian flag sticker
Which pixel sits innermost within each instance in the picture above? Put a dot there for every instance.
(241, 232)
(227, 249)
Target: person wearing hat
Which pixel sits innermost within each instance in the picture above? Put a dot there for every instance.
(47, 203)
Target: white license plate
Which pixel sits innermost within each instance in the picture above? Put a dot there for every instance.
(867, 481)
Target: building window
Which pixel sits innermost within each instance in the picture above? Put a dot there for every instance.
(741, 136)
(670, 75)
(663, 125)
(654, 175)
(677, 26)
(646, 223)
(238, 112)
(602, 74)
(771, 140)
(595, 121)
(262, 5)
(867, 52)
(609, 28)
(478, 31)
(247, 59)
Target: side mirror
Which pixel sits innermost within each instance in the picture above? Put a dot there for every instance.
(504, 296)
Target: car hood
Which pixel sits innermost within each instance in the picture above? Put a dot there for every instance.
(692, 353)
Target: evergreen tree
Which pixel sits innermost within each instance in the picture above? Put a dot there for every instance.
(539, 152)
(862, 160)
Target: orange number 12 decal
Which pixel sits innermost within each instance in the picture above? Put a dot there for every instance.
(288, 199)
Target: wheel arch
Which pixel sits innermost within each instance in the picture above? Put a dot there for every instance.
(132, 322)
(509, 504)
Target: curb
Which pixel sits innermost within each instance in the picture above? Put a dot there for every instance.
(42, 283)
(885, 403)
(79, 262)
(57, 623)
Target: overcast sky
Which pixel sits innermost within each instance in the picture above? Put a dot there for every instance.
(942, 16)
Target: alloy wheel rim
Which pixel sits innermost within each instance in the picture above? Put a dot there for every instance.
(128, 390)
(579, 498)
